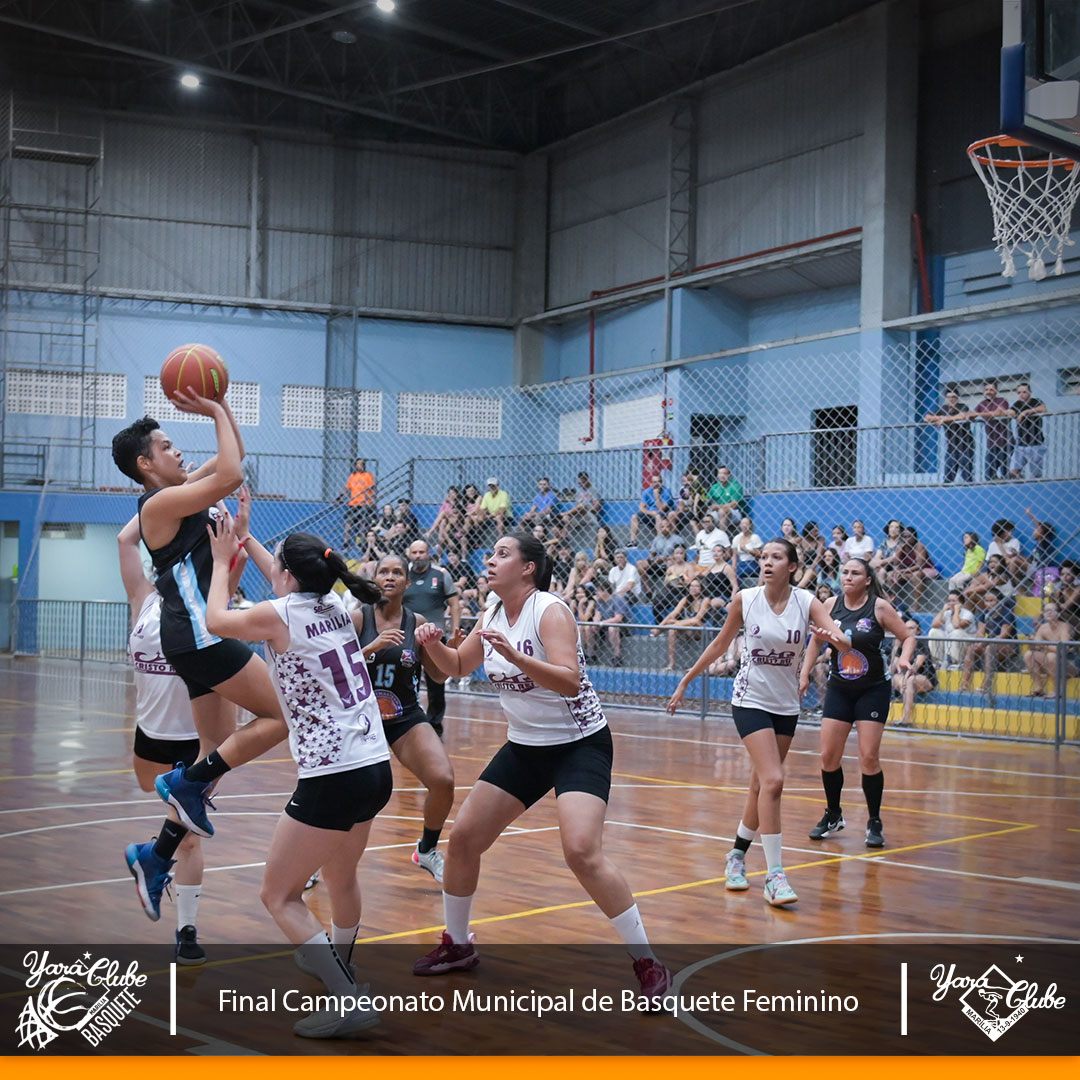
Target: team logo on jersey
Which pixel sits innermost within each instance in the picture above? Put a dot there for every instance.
(864, 626)
(321, 609)
(852, 664)
(152, 665)
(389, 704)
(772, 658)
(408, 658)
(755, 631)
(215, 513)
(519, 683)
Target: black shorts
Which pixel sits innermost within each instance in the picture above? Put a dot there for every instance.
(343, 799)
(396, 726)
(165, 751)
(203, 669)
(749, 720)
(530, 772)
(871, 703)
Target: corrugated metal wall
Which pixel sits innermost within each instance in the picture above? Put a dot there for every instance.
(394, 229)
(779, 160)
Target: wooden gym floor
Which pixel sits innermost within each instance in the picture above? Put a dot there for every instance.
(983, 837)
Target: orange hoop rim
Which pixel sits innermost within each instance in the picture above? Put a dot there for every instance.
(1006, 163)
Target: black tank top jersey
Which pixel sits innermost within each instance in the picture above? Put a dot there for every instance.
(395, 670)
(862, 665)
(184, 566)
(715, 586)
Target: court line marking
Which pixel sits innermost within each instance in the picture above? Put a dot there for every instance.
(1050, 882)
(991, 877)
(811, 753)
(691, 1021)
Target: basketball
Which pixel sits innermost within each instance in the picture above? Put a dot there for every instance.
(197, 368)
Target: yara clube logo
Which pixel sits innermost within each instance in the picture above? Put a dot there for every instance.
(89, 996)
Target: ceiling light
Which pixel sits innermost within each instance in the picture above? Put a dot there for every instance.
(385, 6)
(344, 37)
(189, 81)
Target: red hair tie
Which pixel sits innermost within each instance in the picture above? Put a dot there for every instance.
(326, 553)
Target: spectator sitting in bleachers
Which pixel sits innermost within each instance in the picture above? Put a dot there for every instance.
(719, 583)
(561, 565)
(899, 604)
(581, 573)
(994, 575)
(824, 592)
(407, 519)
(584, 515)
(655, 563)
(477, 600)
(1065, 592)
(689, 504)
(656, 502)
(611, 611)
(727, 495)
(858, 545)
(386, 520)
(447, 521)
(601, 547)
(919, 679)
(494, 506)
(582, 604)
(470, 508)
(374, 550)
(790, 532)
(811, 549)
(912, 565)
(839, 538)
(624, 577)
(1043, 567)
(689, 611)
(885, 556)
(545, 504)
(828, 571)
(678, 573)
(1041, 659)
(746, 547)
(974, 557)
(728, 664)
(997, 621)
(1005, 544)
(706, 540)
(461, 573)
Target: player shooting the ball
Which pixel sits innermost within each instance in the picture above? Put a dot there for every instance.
(174, 512)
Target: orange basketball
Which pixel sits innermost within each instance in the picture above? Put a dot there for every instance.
(197, 368)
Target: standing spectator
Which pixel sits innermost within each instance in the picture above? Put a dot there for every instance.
(955, 420)
(727, 496)
(624, 577)
(611, 611)
(495, 506)
(997, 621)
(858, 545)
(1030, 447)
(545, 504)
(660, 550)
(1041, 659)
(747, 547)
(994, 412)
(974, 557)
(585, 513)
(709, 536)
(430, 592)
(656, 503)
(360, 491)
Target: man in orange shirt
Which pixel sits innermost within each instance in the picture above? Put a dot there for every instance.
(360, 491)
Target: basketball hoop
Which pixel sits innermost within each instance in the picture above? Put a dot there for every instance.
(1032, 199)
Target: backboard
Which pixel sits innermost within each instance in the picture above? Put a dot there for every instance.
(1040, 73)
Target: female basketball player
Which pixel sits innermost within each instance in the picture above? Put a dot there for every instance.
(336, 738)
(765, 700)
(164, 732)
(173, 514)
(858, 692)
(387, 633)
(558, 737)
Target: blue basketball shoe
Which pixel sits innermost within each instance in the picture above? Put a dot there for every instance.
(189, 797)
(151, 874)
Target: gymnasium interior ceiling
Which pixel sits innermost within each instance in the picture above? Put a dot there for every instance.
(498, 74)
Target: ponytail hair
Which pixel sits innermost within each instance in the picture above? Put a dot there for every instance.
(792, 554)
(317, 568)
(534, 551)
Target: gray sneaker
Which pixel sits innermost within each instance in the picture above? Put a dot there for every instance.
(735, 871)
(431, 861)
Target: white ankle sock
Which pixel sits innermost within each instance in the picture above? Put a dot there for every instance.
(456, 911)
(321, 955)
(343, 938)
(630, 928)
(187, 905)
(771, 845)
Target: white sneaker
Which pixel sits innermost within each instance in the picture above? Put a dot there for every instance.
(432, 861)
(330, 1024)
(735, 871)
(777, 890)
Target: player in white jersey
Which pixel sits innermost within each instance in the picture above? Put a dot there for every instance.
(337, 740)
(778, 618)
(164, 733)
(557, 738)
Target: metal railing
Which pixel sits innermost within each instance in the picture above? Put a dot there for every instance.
(71, 629)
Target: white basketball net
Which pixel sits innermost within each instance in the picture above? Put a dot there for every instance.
(1032, 199)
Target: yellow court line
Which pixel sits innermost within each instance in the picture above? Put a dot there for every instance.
(813, 799)
(1072, 830)
(695, 884)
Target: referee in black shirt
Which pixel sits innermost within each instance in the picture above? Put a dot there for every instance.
(430, 592)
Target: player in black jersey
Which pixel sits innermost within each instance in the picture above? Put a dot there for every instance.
(387, 633)
(174, 513)
(858, 692)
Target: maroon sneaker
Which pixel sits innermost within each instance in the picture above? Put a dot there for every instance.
(655, 979)
(447, 956)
